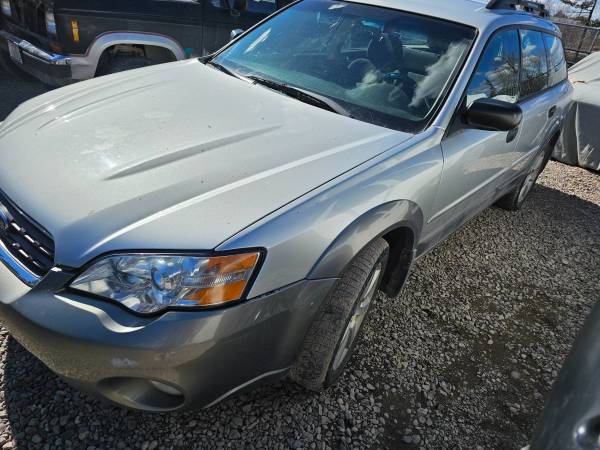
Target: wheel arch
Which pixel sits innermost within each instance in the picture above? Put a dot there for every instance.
(85, 66)
(398, 222)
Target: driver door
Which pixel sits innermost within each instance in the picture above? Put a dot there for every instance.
(476, 161)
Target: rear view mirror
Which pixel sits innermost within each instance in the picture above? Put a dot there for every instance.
(494, 115)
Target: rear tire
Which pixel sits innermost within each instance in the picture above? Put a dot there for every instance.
(514, 200)
(330, 341)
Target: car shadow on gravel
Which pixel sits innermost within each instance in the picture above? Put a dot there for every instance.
(40, 409)
(484, 358)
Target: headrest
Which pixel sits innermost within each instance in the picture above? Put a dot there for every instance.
(386, 50)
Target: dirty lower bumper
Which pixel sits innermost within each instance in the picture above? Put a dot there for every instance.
(50, 68)
(161, 363)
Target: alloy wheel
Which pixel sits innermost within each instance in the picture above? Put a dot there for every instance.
(358, 317)
(531, 178)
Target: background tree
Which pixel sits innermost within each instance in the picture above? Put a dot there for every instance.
(584, 8)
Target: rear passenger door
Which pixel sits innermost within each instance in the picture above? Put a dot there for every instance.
(536, 100)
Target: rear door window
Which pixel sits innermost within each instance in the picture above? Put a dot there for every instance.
(534, 72)
(557, 65)
(497, 75)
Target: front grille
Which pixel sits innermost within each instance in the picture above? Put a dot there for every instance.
(30, 14)
(26, 241)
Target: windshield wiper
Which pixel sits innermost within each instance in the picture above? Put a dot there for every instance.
(311, 98)
(223, 69)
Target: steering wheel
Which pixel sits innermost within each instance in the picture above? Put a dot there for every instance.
(398, 77)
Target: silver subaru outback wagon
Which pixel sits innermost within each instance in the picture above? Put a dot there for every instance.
(172, 235)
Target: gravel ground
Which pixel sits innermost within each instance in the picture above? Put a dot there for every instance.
(462, 359)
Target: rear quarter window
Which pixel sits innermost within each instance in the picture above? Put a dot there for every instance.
(557, 65)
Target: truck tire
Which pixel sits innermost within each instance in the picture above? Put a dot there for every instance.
(121, 63)
(330, 340)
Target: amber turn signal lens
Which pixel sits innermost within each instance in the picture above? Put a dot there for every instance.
(225, 279)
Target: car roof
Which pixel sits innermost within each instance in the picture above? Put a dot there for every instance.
(469, 12)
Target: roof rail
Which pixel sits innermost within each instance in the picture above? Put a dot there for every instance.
(525, 5)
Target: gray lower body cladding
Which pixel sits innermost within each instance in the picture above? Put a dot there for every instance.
(168, 362)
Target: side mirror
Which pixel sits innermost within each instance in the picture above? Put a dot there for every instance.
(235, 33)
(494, 115)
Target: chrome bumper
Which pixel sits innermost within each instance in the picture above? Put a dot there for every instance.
(35, 52)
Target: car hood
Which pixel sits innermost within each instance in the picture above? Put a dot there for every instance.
(178, 156)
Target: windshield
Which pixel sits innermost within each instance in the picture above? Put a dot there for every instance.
(383, 66)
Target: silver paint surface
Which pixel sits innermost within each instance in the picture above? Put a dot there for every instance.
(179, 147)
(184, 157)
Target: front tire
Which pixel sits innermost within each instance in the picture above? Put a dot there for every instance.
(331, 338)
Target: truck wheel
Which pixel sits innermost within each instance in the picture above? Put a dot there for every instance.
(515, 199)
(330, 340)
(121, 63)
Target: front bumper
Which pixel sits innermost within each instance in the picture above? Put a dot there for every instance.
(198, 358)
(50, 68)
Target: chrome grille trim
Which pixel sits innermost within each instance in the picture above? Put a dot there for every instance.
(25, 247)
(15, 266)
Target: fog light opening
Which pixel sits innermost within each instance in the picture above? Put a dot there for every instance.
(143, 394)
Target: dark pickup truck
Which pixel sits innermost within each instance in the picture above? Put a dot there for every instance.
(62, 41)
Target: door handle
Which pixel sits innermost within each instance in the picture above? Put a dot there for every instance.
(512, 134)
(552, 111)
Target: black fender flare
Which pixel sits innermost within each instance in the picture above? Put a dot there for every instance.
(375, 223)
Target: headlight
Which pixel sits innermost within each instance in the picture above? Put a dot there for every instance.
(50, 22)
(147, 283)
(6, 10)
